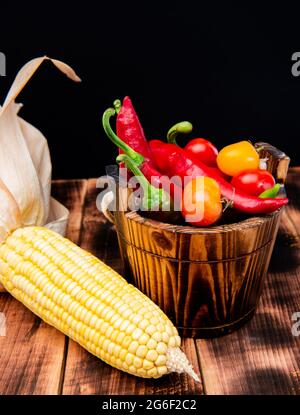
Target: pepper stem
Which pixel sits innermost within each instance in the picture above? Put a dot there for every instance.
(117, 105)
(270, 193)
(136, 157)
(153, 198)
(183, 127)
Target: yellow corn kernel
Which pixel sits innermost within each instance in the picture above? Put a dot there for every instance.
(165, 337)
(152, 355)
(172, 342)
(144, 338)
(136, 334)
(150, 329)
(152, 344)
(162, 370)
(130, 329)
(147, 364)
(152, 373)
(137, 362)
(142, 372)
(161, 360)
(161, 348)
(126, 342)
(142, 351)
(143, 324)
(157, 336)
(111, 349)
(133, 347)
(132, 369)
(177, 339)
(129, 358)
(117, 350)
(123, 354)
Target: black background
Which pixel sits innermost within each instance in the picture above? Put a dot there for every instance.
(224, 66)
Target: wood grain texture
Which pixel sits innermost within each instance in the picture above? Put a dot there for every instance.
(264, 357)
(207, 296)
(278, 161)
(71, 193)
(33, 353)
(85, 374)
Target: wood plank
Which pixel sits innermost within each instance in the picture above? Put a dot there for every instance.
(33, 365)
(293, 190)
(294, 169)
(85, 374)
(33, 353)
(71, 193)
(264, 357)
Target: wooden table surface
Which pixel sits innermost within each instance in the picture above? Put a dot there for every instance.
(261, 358)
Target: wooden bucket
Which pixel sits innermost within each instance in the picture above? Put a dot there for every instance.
(207, 280)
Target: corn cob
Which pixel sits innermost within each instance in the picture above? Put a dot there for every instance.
(78, 294)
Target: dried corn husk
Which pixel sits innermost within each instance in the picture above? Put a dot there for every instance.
(25, 164)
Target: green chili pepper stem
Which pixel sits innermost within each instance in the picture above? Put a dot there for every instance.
(117, 105)
(270, 193)
(132, 166)
(153, 198)
(138, 158)
(183, 127)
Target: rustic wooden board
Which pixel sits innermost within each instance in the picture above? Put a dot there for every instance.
(264, 357)
(33, 353)
(86, 374)
(71, 193)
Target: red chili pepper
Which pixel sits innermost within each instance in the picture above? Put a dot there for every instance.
(144, 163)
(175, 161)
(129, 128)
(130, 131)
